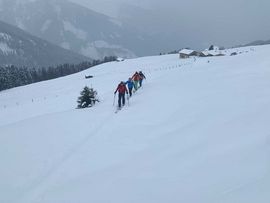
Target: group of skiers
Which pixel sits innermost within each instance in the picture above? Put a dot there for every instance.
(133, 84)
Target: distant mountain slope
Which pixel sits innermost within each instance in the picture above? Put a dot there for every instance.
(68, 25)
(258, 42)
(22, 49)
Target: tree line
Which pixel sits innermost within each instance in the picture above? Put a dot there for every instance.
(13, 76)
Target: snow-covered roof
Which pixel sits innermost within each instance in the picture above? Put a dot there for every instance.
(211, 52)
(120, 59)
(205, 53)
(186, 51)
(214, 52)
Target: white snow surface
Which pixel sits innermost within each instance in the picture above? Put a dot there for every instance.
(46, 25)
(5, 49)
(65, 45)
(186, 51)
(5, 37)
(196, 132)
(90, 50)
(80, 34)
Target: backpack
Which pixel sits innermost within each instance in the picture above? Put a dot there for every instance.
(121, 88)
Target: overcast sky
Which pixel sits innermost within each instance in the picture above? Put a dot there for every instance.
(223, 22)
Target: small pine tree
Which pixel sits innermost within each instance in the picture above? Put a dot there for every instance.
(87, 98)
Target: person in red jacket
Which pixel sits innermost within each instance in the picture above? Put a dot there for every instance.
(121, 88)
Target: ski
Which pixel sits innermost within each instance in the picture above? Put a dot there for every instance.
(117, 110)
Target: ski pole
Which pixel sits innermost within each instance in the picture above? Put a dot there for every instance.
(128, 99)
(114, 100)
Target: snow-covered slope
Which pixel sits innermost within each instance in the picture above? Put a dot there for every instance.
(198, 131)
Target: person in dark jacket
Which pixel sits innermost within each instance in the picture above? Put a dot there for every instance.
(130, 85)
(121, 88)
(142, 77)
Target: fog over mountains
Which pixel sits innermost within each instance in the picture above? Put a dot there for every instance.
(128, 29)
(22, 49)
(258, 42)
(195, 24)
(70, 26)
(136, 31)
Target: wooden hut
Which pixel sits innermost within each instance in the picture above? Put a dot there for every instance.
(186, 53)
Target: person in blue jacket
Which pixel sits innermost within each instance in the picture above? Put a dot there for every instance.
(130, 85)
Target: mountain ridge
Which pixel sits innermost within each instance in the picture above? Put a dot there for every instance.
(258, 43)
(20, 48)
(68, 25)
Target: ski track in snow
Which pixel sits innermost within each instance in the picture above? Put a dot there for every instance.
(71, 152)
(39, 182)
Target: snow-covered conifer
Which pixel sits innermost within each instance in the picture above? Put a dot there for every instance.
(87, 98)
